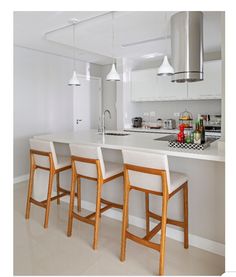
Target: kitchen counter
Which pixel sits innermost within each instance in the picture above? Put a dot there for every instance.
(136, 141)
(165, 131)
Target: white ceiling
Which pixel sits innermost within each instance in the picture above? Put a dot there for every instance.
(94, 37)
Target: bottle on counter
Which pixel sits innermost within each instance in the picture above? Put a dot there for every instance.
(188, 137)
(192, 137)
(202, 130)
(197, 134)
(181, 135)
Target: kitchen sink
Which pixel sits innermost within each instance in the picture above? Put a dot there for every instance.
(114, 134)
(173, 137)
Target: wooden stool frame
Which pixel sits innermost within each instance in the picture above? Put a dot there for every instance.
(97, 214)
(163, 218)
(60, 191)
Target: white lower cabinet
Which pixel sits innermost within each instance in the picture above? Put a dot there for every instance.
(147, 86)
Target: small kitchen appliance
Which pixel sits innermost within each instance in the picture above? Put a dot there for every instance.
(169, 124)
(137, 122)
(213, 124)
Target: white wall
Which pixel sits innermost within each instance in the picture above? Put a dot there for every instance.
(166, 110)
(42, 98)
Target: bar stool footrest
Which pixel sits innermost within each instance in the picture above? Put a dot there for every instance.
(112, 204)
(66, 191)
(83, 218)
(169, 221)
(109, 205)
(38, 203)
(153, 232)
(155, 246)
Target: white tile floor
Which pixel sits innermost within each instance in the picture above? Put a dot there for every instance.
(50, 252)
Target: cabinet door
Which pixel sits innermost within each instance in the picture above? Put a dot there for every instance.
(168, 90)
(210, 87)
(147, 86)
(144, 85)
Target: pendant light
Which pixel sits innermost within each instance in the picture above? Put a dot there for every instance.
(113, 75)
(74, 81)
(165, 69)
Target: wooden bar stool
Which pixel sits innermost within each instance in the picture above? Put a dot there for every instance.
(88, 163)
(149, 173)
(43, 156)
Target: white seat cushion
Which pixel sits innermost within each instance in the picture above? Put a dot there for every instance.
(112, 169)
(176, 180)
(153, 182)
(63, 161)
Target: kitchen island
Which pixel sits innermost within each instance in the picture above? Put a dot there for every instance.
(135, 141)
(205, 169)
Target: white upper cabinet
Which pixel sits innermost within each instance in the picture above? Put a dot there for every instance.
(147, 86)
(144, 85)
(210, 87)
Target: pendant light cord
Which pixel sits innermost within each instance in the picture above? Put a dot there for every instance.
(113, 37)
(74, 46)
(166, 33)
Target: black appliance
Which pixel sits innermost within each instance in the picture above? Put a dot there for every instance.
(137, 122)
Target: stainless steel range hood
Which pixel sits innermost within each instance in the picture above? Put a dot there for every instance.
(187, 46)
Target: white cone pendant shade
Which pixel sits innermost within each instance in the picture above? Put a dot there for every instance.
(113, 75)
(165, 69)
(74, 81)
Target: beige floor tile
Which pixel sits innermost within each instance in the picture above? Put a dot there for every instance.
(50, 252)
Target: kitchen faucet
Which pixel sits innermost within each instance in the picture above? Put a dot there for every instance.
(103, 120)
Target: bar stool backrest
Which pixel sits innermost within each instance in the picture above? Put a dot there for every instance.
(43, 146)
(146, 160)
(87, 152)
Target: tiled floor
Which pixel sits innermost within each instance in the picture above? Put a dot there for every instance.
(50, 252)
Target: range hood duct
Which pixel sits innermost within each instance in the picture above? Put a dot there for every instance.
(187, 46)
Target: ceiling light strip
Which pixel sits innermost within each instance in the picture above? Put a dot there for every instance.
(79, 22)
(144, 41)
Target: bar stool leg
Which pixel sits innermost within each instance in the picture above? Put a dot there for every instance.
(30, 189)
(58, 186)
(72, 198)
(185, 191)
(97, 215)
(124, 221)
(147, 212)
(50, 183)
(78, 194)
(163, 234)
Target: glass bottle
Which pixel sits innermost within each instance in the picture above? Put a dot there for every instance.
(202, 130)
(197, 134)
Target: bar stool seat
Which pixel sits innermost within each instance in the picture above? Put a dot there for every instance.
(149, 181)
(149, 173)
(177, 179)
(43, 156)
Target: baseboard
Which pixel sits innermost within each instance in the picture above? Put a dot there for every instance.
(21, 178)
(197, 241)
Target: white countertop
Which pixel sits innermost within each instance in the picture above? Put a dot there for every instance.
(135, 141)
